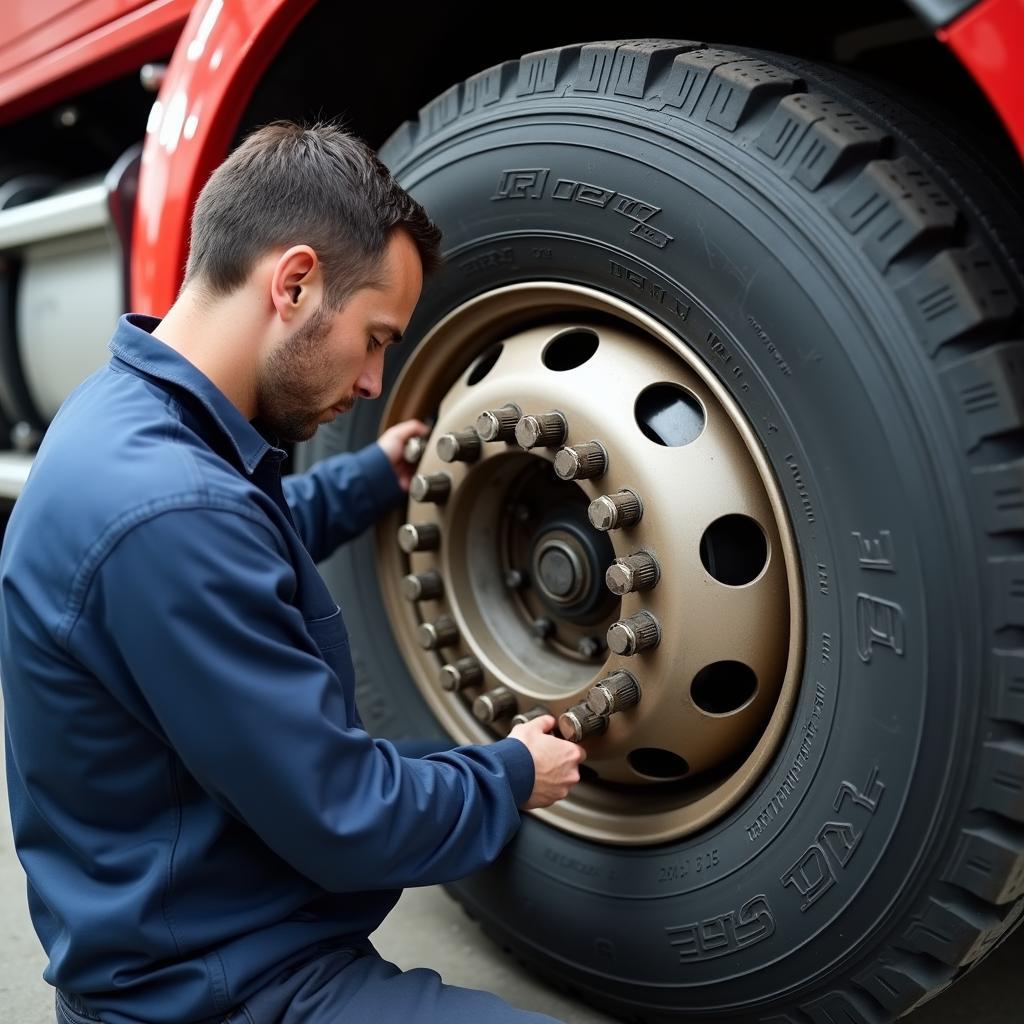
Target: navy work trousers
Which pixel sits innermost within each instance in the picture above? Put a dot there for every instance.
(343, 985)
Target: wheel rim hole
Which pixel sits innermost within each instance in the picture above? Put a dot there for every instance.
(569, 350)
(723, 687)
(734, 550)
(484, 365)
(669, 415)
(656, 763)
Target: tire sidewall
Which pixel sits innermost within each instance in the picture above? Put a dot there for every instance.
(807, 339)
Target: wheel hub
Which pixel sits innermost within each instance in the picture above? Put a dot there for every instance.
(573, 554)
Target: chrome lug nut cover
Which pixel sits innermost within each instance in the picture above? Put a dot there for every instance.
(528, 716)
(423, 586)
(461, 673)
(615, 692)
(414, 449)
(615, 511)
(499, 424)
(419, 537)
(441, 633)
(494, 704)
(636, 572)
(547, 430)
(638, 633)
(582, 461)
(579, 722)
(430, 487)
(459, 446)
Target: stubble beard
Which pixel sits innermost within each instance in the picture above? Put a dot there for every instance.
(287, 397)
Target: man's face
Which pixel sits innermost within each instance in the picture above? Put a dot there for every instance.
(319, 370)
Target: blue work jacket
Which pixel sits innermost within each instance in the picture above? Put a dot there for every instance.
(195, 800)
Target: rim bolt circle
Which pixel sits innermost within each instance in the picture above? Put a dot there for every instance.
(419, 537)
(547, 430)
(639, 571)
(615, 511)
(424, 586)
(638, 633)
(460, 446)
(414, 449)
(528, 716)
(495, 704)
(615, 692)
(460, 674)
(441, 633)
(579, 722)
(430, 487)
(582, 461)
(499, 424)
(542, 628)
(589, 646)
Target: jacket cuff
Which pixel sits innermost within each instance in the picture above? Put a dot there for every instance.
(518, 762)
(382, 486)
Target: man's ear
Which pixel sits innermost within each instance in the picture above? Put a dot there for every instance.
(296, 284)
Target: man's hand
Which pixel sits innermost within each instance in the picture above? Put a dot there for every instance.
(393, 442)
(555, 761)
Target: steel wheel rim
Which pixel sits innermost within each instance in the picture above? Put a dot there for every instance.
(728, 750)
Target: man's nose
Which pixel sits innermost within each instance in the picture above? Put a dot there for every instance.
(369, 384)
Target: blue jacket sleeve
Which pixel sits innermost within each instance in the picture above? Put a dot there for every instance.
(197, 603)
(340, 497)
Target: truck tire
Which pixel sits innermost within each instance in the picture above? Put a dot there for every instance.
(848, 277)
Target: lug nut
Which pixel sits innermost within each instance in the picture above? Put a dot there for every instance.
(547, 430)
(431, 487)
(582, 461)
(528, 716)
(515, 579)
(423, 586)
(615, 692)
(589, 647)
(419, 537)
(441, 633)
(615, 511)
(460, 674)
(579, 722)
(542, 628)
(632, 573)
(460, 446)
(637, 633)
(414, 449)
(495, 704)
(499, 424)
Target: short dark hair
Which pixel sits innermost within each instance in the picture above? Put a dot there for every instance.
(317, 185)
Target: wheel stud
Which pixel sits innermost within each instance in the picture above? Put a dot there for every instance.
(589, 646)
(460, 446)
(638, 633)
(615, 511)
(639, 571)
(414, 449)
(528, 716)
(441, 633)
(615, 692)
(423, 586)
(430, 487)
(582, 461)
(579, 722)
(419, 537)
(460, 674)
(543, 628)
(547, 430)
(499, 424)
(515, 579)
(494, 704)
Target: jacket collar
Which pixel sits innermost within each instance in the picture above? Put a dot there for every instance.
(134, 346)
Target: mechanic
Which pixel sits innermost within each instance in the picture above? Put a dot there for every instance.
(208, 831)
